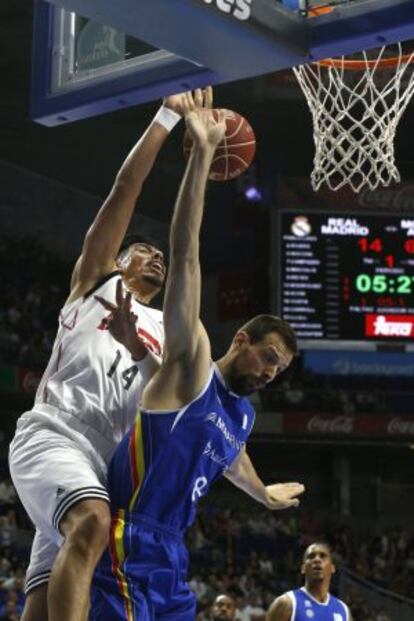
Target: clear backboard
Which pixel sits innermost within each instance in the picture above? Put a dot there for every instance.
(94, 57)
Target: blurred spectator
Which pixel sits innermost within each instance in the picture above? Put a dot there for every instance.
(223, 609)
(8, 496)
(30, 300)
(11, 612)
(253, 610)
(266, 565)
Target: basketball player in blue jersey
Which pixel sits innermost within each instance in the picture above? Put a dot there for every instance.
(312, 602)
(87, 398)
(193, 424)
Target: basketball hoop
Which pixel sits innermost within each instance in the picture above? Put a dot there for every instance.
(356, 104)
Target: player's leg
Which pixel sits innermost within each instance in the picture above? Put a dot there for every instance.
(42, 558)
(172, 598)
(53, 475)
(122, 583)
(86, 529)
(181, 604)
(35, 604)
(178, 602)
(183, 610)
(116, 594)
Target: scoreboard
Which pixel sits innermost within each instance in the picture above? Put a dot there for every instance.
(347, 277)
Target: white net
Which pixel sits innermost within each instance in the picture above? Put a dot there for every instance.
(356, 107)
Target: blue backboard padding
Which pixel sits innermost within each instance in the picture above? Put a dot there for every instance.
(227, 48)
(56, 109)
(365, 25)
(291, 4)
(273, 37)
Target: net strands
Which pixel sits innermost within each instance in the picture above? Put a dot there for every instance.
(356, 107)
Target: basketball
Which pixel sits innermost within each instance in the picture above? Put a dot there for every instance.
(235, 152)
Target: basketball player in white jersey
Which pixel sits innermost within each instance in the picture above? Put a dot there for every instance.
(312, 602)
(87, 398)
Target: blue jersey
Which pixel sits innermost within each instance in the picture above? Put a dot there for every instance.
(307, 608)
(169, 460)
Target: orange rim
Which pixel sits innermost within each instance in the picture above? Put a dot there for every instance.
(360, 65)
(319, 10)
(356, 65)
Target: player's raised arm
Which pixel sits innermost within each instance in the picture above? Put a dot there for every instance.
(104, 237)
(183, 289)
(186, 347)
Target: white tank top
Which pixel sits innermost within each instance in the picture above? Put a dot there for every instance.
(91, 384)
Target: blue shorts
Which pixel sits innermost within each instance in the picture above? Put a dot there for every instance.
(142, 576)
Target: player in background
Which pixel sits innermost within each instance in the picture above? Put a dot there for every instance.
(312, 601)
(223, 608)
(193, 424)
(87, 398)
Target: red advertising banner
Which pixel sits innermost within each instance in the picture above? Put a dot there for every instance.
(389, 325)
(364, 425)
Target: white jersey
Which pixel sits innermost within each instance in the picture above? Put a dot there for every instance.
(91, 384)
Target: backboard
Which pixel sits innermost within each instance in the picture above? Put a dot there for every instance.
(94, 57)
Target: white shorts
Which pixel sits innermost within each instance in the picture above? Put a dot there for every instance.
(42, 558)
(52, 472)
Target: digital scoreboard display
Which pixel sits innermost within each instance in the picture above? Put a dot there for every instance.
(347, 277)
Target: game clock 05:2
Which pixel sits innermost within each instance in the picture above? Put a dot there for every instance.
(347, 277)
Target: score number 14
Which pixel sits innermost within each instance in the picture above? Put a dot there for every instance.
(375, 245)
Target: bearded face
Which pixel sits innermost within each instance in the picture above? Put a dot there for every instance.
(255, 365)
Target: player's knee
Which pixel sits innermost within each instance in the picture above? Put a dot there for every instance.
(91, 534)
(88, 529)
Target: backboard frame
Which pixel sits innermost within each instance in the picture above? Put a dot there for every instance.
(226, 48)
(67, 105)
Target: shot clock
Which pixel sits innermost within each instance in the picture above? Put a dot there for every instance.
(347, 277)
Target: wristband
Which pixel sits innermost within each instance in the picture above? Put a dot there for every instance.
(167, 118)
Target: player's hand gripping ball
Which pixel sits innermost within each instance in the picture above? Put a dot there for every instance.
(235, 152)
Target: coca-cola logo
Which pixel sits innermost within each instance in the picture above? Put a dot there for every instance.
(337, 424)
(403, 198)
(401, 427)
